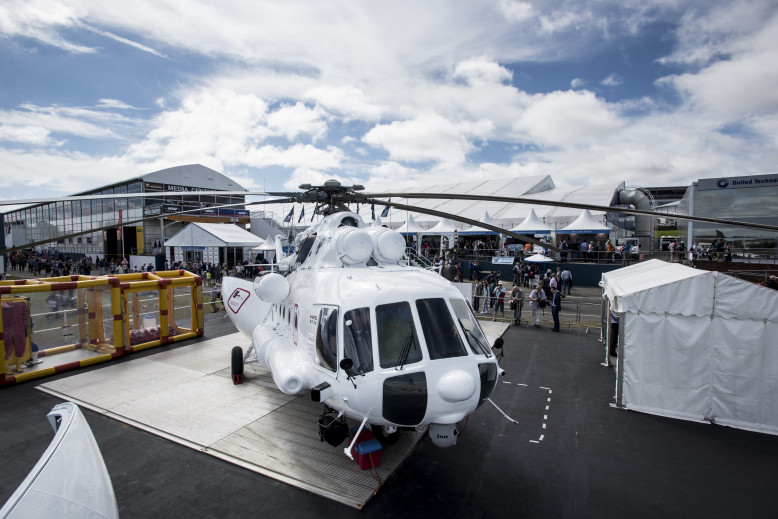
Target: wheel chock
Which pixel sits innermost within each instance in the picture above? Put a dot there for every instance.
(237, 378)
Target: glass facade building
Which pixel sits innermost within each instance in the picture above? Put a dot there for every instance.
(752, 199)
(135, 226)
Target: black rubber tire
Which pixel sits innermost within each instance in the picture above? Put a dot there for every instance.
(237, 361)
(385, 439)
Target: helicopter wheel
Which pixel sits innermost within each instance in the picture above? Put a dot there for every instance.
(237, 365)
(383, 438)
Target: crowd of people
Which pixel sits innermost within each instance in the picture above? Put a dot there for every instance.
(44, 265)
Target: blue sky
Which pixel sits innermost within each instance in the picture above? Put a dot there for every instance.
(387, 94)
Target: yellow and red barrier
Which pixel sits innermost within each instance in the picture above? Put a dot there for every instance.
(113, 315)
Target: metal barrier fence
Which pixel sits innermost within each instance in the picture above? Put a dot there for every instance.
(573, 315)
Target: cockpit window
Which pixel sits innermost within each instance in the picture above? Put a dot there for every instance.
(397, 337)
(357, 340)
(327, 338)
(475, 336)
(440, 332)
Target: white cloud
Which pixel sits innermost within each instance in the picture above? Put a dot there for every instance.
(34, 124)
(297, 156)
(345, 100)
(577, 83)
(113, 104)
(33, 135)
(740, 86)
(120, 39)
(612, 80)
(481, 71)
(298, 119)
(428, 137)
(568, 118)
(516, 11)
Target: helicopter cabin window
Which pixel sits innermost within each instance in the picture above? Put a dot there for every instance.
(327, 339)
(397, 337)
(440, 332)
(305, 249)
(357, 340)
(475, 336)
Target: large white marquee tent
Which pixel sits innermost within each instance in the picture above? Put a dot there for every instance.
(695, 345)
(502, 214)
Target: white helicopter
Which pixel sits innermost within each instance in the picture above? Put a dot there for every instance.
(372, 338)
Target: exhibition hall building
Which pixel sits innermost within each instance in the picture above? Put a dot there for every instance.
(127, 226)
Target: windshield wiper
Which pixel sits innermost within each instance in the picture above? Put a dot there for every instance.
(406, 348)
(484, 348)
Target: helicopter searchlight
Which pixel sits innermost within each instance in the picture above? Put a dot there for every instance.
(374, 340)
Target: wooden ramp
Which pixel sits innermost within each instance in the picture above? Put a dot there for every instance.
(186, 395)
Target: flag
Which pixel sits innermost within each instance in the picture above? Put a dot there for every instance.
(357, 208)
(302, 213)
(289, 216)
(386, 210)
(372, 211)
(315, 208)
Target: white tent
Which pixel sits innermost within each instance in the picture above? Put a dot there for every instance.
(443, 227)
(211, 242)
(476, 230)
(538, 258)
(377, 222)
(585, 224)
(410, 227)
(695, 345)
(532, 225)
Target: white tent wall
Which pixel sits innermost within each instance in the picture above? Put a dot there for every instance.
(696, 345)
(744, 374)
(666, 368)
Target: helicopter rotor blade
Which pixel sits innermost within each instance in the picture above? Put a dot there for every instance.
(572, 205)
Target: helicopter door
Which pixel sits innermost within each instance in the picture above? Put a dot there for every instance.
(327, 340)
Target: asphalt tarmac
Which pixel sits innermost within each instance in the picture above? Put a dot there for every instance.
(571, 455)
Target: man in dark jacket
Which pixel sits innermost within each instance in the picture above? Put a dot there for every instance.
(556, 306)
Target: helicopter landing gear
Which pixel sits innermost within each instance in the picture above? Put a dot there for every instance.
(388, 435)
(237, 365)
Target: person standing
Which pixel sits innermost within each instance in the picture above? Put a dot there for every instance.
(214, 298)
(484, 292)
(567, 281)
(516, 303)
(614, 342)
(499, 300)
(556, 306)
(535, 297)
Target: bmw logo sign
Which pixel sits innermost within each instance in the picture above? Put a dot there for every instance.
(722, 183)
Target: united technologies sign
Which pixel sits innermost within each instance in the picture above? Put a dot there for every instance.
(737, 182)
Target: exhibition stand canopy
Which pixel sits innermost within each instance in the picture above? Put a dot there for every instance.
(585, 224)
(532, 225)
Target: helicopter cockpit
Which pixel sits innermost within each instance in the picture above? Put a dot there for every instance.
(393, 340)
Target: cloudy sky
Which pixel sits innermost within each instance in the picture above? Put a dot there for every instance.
(388, 94)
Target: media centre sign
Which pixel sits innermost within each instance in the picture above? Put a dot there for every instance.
(737, 182)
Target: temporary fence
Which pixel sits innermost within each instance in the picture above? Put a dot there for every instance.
(53, 325)
(573, 315)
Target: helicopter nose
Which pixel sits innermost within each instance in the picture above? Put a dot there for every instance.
(456, 386)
